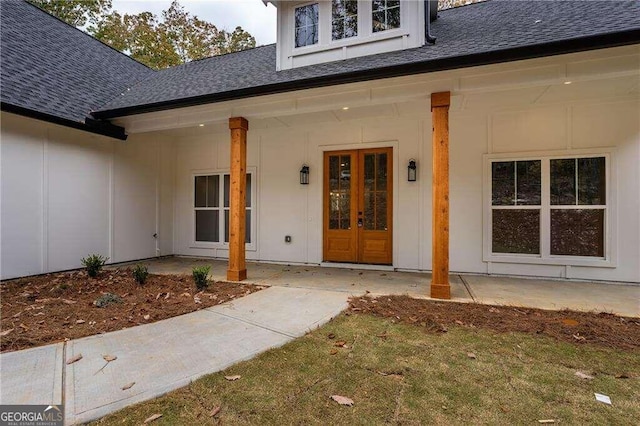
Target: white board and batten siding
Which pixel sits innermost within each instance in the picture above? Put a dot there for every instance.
(67, 193)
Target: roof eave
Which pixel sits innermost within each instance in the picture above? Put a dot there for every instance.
(91, 125)
(600, 41)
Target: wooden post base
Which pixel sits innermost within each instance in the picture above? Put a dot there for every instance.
(440, 291)
(240, 275)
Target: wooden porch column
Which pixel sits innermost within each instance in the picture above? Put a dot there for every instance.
(440, 221)
(237, 203)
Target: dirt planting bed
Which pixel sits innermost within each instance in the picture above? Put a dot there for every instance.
(51, 308)
(576, 327)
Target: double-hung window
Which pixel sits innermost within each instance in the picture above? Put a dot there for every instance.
(554, 209)
(211, 208)
(306, 25)
(385, 15)
(344, 19)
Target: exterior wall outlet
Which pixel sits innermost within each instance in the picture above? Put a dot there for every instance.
(287, 238)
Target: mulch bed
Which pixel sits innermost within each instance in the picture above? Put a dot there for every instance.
(51, 308)
(569, 326)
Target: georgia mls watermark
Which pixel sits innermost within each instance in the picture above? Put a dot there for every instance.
(31, 415)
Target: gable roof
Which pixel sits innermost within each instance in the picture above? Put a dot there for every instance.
(478, 34)
(55, 72)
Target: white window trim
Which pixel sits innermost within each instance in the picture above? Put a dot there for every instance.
(545, 258)
(365, 29)
(252, 246)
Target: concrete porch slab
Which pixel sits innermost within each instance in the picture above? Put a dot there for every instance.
(619, 299)
(32, 376)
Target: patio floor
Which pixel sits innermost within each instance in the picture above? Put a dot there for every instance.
(621, 299)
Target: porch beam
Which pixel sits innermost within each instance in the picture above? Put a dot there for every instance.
(440, 288)
(237, 270)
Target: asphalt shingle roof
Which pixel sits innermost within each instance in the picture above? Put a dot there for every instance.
(53, 68)
(470, 30)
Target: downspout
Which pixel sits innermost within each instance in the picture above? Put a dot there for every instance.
(427, 21)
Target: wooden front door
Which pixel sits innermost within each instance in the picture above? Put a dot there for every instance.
(358, 206)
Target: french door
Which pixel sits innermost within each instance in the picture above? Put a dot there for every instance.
(358, 206)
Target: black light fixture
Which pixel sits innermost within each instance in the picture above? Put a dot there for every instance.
(304, 175)
(412, 171)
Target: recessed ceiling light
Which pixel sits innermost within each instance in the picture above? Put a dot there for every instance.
(568, 82)
(200, 125)
(345, 108)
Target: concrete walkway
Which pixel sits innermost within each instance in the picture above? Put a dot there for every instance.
(618, 298)
(162, 356)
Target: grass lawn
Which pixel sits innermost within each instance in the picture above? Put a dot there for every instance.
(398, 373)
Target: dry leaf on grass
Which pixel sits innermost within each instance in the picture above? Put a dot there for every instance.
(340, 344)
(333, 352)
(152, 418)
(74, 359)
(232, 378)
(622, 376)
(471, 355)
(146, 317)
(342, 400)
(546, 421)
(128, 386)
(584, 375)
(109, 358)
(80, 321)
(215, 411)
(331, 336)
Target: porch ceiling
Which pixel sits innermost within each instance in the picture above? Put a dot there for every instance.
(609, 73)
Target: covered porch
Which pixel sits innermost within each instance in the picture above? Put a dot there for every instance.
(618, 298)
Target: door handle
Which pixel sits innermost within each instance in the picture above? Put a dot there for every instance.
(360, 222)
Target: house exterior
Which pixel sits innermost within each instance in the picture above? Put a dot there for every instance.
(495, 138)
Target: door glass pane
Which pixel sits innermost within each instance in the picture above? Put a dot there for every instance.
(516, 231)
(577, 232)
(369, 210)
(369, 172)
(207, 225)
(226, 226)
(339, 192)
(248, 191)
(247, 236)
(381, 210)
(227, 184)
(563, 182)
(529, 183)
(503, 183)
(201, 191)
(381, 172)
(591, 181)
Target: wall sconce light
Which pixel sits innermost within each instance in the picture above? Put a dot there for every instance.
(412, 171)
(304, 175)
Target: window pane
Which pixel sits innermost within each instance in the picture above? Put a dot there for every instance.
(377, 5)
(378, 21)
(207, 225)
(369, 172)
(334, 172)
(529, 183)
(213, 191)
(226, 226)
(591, 181)
(306, 30)
(393, 18)
(563, 182)
(247, 235)
(351, 26)
(301, 36)
(577, 232)
(369, 210)
(248, 192)
(227, 185)
(503, 183)
(201, 191)
(516, 231)
(337, 30)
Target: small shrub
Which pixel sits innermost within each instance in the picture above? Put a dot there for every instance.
(200, 275)
(94, 264)
(107, 299)
(140, 274)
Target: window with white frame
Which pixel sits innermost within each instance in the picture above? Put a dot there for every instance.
(306, 25)
(344, 19)
(549, 207)
(211, 208)
(385, 15)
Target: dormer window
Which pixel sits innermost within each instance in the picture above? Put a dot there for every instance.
(344, 19)
(306, 25)
(385, 15)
